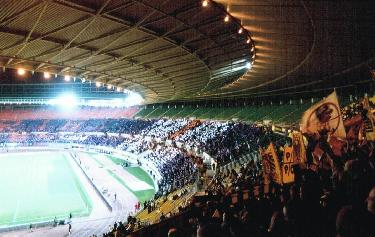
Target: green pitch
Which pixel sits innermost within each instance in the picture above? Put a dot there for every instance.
(38, 186)
(138, 173)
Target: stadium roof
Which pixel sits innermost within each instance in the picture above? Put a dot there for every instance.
(180, 50)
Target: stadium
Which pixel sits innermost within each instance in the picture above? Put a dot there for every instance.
(187, 118)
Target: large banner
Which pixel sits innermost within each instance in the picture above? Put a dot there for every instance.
(271, 166)
(287, 165)
(324, 116)
(298, 148)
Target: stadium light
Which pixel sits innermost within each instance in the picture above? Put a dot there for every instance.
(117, 103)
(248, 65)
(98, 84)
(67, 78)
(240, 31)
(205, 3)
(21, 71)
(133, 99)
(248, 41)
(67, 100)
(119, 89)
(109, 87)
(226, 19)
(83, 79)
(46, 75)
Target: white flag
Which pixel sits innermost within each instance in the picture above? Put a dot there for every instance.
(324, 116)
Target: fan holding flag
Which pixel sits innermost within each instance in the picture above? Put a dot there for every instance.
(324, 118)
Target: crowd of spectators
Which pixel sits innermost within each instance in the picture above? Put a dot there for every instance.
(221, 140)
(120, 126)
(335, 200)
(321, 202)
(359, 107)
(163, 128)
(225, 141)
(176, 168)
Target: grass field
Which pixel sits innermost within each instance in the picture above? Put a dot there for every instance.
(37, 187)
(138, 173)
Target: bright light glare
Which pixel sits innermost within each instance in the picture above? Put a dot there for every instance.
(226, 19)
(98, 84)
(67, 100)
(109, 87)
(46, 75)
(133, 99)
(67, 78)
(21, 71)
(119, 89)
(248, 65)
(205, 3)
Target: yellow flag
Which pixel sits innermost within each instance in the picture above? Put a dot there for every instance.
(287, 165)
(324, 116)
(271, 166)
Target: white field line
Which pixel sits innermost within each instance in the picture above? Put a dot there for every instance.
(132, 182)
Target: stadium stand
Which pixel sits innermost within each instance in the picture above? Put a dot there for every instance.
(53, 112)
(237, 200)
(248, 118)
(280, 114)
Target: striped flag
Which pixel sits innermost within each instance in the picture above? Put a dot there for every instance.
(271, 166)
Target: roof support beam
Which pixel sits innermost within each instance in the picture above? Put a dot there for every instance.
(87, 71)
(11, 18)
(92, 20)
(26, 40)
(82, 57)
(133, 27)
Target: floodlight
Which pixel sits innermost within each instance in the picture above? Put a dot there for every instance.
(248, 65)
(21, 71)
(67, 100)
(46, 75)
(133, 99)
